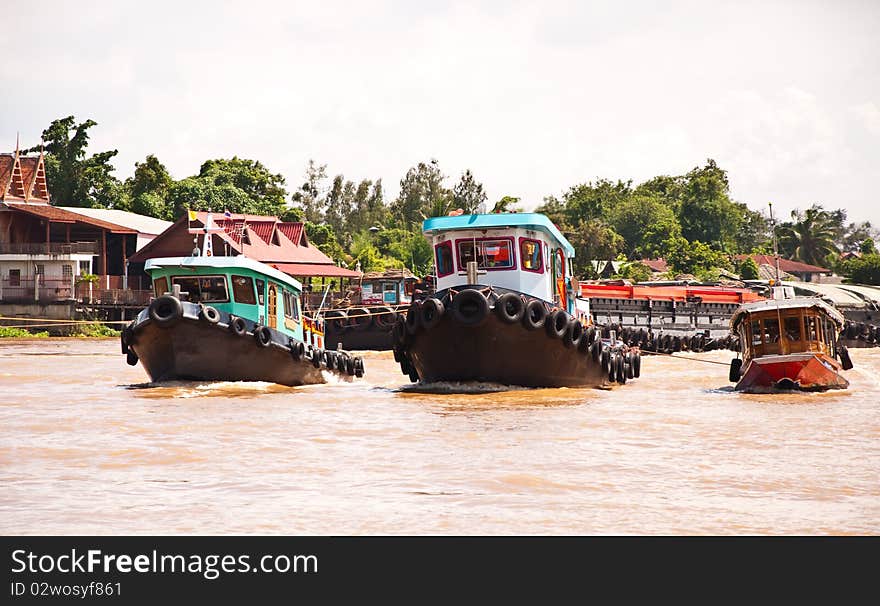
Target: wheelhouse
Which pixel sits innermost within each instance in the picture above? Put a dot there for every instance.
(520, 251)
(236, 285)
(787, 327)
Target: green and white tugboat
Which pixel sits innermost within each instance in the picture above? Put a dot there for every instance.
(230, 318)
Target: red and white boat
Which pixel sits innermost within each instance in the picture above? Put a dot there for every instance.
(789, 344)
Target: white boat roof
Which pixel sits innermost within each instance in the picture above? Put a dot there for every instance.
(239, 261)
(781, 304)
(872, 293)
(834, 292)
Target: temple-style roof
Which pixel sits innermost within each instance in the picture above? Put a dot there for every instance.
(23, 178)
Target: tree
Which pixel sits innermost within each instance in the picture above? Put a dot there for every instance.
(194, 193)
(706, 212)
(73, 178)
(636, 272)
(506, 204)
(321, 236)
(692, 257)
(593, 240)
(748, 269)
(422, 195)
(308, 196)
(264, 189)
(867, 247)
(149, 176)
(865, 270)
(467, 194)
(645, 223)
(594, 200)
(810, 236)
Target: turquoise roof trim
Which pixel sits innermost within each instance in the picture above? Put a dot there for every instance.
(223, 263)
(535, 221)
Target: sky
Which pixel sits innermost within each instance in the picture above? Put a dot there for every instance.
(532, 97)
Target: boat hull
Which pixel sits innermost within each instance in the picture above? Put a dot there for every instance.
(508, 353)
(192, 348)
(803, 372)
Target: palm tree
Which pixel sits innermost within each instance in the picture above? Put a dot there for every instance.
(810, 236)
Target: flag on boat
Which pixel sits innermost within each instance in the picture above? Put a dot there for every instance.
(227, 214)
(193, 215)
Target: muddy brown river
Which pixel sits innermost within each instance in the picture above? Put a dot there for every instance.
(88, 446)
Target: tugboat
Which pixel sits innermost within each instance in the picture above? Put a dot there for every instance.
(229, 319)
(789, 343)
(377, 302)
(505, 310)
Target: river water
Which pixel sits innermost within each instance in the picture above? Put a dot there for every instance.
(89, 447)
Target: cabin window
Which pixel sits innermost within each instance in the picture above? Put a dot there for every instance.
(811, 328)
(444, 259)
(261, 286)
(792, 327)
(243, 290)
(15, 277)
(756, 333)
(409, 286)
(291, 309)
(202, 289)
(530, 255)
(160, 286)
(488, 253)
(771, 330)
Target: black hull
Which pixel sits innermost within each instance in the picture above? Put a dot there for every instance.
(503, 352)
(373, 338)
(190, 347)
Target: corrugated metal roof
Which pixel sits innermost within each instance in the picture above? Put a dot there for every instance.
(139, 223)
(293, 231)
(315, 270)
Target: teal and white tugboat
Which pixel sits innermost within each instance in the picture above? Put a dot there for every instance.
(230, 319)
(505, 310)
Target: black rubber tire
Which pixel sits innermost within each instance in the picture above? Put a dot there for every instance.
(612, 367)
(297, 349)
(735, 368)
(557, 324)
(470, 308)
(338, 318)
(637, 365)
(341, 362)
(317, 357)
(360, 318)
(359, 367)
(349, 367)
(510, 308)
(126, 338)
(605, 360)
(329, 359)
(573, 334)
(131, 358)
(209, 314)
(621, 369)
(413, 318)
(845, 360)
(628, 364)
(262, 335)
(383, 317)
(399, 336)
(534, 315)
(237, 325)
(596, 351)
(432, 312)
(589, 335)
(165, 311)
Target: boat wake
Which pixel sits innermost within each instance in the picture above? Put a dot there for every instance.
(451, 387)
(200, 389)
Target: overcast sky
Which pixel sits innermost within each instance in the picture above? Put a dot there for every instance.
(533, 97)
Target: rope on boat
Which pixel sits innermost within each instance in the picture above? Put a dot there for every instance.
(53, 322)
(661, 353)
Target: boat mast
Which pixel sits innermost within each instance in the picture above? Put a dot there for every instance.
(775, 247)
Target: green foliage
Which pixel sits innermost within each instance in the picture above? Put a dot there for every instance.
(150, 176)
(867, 247)
(322, 236)
(645, 223)
(75, 179)
(507, 204)
(810, 236)
(864, 270)
(636, 272)
(422, 195)
(748, 269)
(308, 196)
(94, 330)
(12, 332)
(592, 240)
(411, 249)
(468, 194)
(692, 257)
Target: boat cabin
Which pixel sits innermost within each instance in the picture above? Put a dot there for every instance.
(391, 287)
(237, 285)
(524, 252)
(788, 326)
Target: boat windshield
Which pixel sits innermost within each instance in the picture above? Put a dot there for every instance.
(202, 289)
(791, 331)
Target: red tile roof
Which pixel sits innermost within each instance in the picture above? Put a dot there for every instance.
(658, 265)
(6, 163)
(311, 270)
(293, 231)
(786, 265)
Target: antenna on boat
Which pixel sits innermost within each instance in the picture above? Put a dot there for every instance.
(775, 247)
